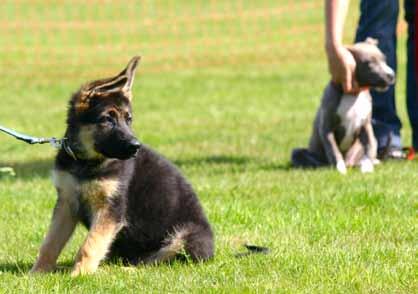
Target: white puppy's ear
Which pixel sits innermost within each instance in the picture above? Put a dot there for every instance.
(371, 41)
(349, 48)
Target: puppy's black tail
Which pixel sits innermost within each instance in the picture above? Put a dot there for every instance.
(253, 249)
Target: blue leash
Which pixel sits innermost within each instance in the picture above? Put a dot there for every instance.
(26, 138)
(57, 143)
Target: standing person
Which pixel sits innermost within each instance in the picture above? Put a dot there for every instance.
(378, 19)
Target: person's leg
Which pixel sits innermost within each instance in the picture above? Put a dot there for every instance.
(378, 19)
(411, 78)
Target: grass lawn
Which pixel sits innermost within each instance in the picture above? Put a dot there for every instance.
(226, 89)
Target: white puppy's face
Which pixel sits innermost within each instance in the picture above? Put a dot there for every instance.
(371, 69)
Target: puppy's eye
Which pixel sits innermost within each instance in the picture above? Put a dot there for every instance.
(129, 119)
(112, 114)
(107, 119)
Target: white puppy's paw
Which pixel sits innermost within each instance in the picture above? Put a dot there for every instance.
(376, 161)
(366, 165)
(341, 167)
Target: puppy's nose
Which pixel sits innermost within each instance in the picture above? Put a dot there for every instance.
(134, 145)
(391, 77)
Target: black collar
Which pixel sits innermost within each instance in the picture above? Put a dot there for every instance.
(65, 145)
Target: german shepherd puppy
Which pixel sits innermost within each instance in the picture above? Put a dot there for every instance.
(136, 205)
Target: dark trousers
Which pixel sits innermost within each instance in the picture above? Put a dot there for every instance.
(378, 19)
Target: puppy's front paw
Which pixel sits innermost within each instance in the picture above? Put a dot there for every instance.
(80, 269)
(341, 167)
(76, 272)
(366, 165)
(376, 161)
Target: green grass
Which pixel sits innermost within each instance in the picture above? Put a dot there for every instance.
(226, 90)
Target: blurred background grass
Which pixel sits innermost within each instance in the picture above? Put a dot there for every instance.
(49, 48)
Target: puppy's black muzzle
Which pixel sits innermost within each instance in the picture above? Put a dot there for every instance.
(119, 144)
(133, 146)
(126, 148)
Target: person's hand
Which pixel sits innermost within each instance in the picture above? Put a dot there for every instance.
(342, 66)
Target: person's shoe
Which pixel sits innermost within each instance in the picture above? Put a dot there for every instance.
(396, 153)
(392, 152)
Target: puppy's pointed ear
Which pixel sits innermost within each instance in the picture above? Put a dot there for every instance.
(129, 74)
(371, 41)
(120, 83)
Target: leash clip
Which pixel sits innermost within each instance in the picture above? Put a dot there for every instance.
(62, 144)
(56, 143)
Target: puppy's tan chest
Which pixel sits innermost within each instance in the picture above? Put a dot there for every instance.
(96, 192)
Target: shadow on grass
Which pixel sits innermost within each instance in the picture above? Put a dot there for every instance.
(287, 166)
(261, 163)
(215, 159)
(42, 167)
(30, 169)
(23, 268)
(20, 268)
